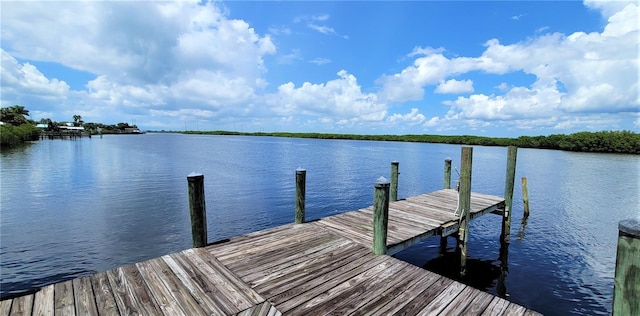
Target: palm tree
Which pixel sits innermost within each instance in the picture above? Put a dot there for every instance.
(77, 120)
(14, 115)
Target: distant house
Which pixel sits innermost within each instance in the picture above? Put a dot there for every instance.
(72, 128)
(132, 130)
(42, 126)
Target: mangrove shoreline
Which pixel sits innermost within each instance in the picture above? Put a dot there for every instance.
(622, 142)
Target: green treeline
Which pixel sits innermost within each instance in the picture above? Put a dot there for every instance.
(15, 127)
(627, 142)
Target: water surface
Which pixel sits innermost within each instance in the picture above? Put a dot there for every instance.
(74, 207)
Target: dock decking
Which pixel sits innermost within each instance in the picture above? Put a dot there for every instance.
(316, 268)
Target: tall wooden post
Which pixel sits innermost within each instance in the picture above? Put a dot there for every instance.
(380, 215)
(464, 205)
(447, 174)
(446, 185)
(197, 209)
(301, 178)
(393, 192)
(512, 153)
(525, 199)
(626, 287)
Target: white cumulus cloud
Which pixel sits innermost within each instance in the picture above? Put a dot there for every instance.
(144, 55)
(340, 98)
(454, 86)
(574, 74)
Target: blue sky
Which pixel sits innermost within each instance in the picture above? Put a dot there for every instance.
(500, 68)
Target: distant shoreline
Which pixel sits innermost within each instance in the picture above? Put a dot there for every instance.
(621, 142)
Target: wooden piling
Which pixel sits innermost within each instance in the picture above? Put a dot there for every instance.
(512, 153)
(197, 209)
(626, 288)
(525, 198)
(380, 215)
(393, 191)
(446, 185)
(447, 174)
(301, 178)
(464, 205)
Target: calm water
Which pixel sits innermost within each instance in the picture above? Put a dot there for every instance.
(75, 207)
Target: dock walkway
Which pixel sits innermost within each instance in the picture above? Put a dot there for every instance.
(316, 268)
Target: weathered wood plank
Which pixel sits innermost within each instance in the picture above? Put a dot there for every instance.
(22, 305)
(105, 302)
(294, 281)
(324, 301)
(349, 303)
(251, 237)
(479, 304)
(198, 283)
(263, 245)
(457, 305)
(176, 288)
(83, 296)
(43, 301)
(285, 264)
(5, 307)
(412, 302)
(130, 292)
(398, 213)
(63, 298)
(292, 250)
(229, 285)
(198, 294)
(496, 307)
(514, 310)
(443, 299)
(288, 300)
(167, 290)
(401, 292)
(265, 237)
(264, 309)
(342, 229)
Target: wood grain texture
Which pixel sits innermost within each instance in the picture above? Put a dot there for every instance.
(105, 302)
(63, 298)
(22, 305)
(84, 298)
(43, 301)
(5, 307)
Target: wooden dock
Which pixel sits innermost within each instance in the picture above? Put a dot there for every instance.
(315, 268)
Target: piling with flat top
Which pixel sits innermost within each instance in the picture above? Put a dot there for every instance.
(626, 287)
(393, 192)
(301, 178)
(446, 185)
(447, 174)
(525, 198)
(197, 209)
(464, 205)
(380, 215)
(512, 154)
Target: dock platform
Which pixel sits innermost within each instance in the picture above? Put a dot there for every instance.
(316, 268)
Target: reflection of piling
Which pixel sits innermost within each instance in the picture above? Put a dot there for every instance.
(464, 205)
(197, 209)
(626, 289)
(525, 199)
(380, 215)
(501, 287)
(301, 178)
